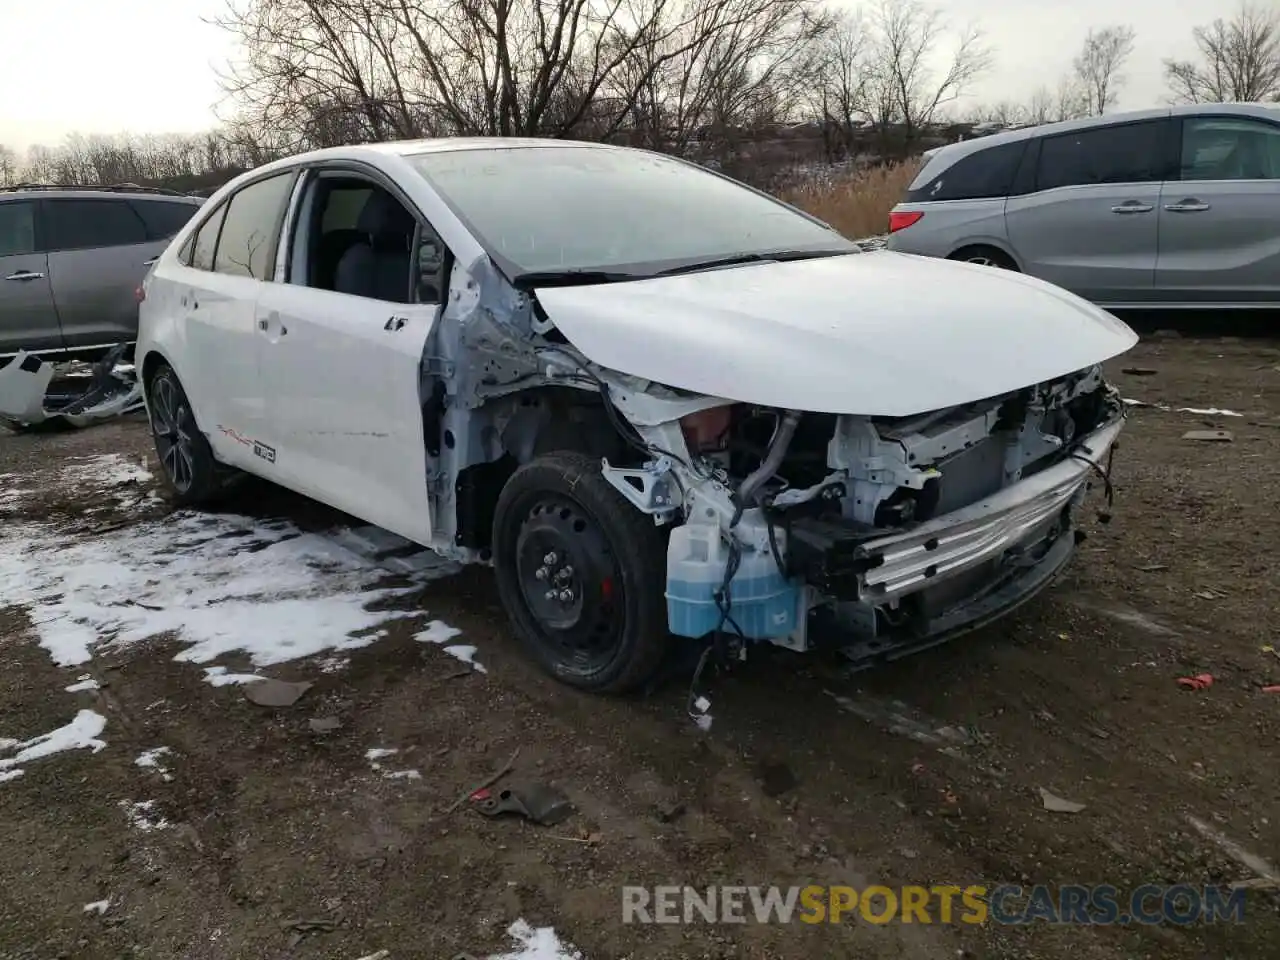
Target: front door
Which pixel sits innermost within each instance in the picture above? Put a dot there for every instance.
(343, 376)
(1090, 224)
(1218, 237)
(28, 320)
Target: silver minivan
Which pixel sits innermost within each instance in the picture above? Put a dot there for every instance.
(1173, 207)
(71, 261)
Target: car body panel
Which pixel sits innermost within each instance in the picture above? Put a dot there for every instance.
(877, 334)
(94, 291)
(1117, 244)
(1075, 237)
(360, 450)
(28, 319)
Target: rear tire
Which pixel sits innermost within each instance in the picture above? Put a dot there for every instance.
(194, 477)
(581, 573)
(985, 256)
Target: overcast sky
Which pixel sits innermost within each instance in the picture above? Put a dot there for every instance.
(148, 66)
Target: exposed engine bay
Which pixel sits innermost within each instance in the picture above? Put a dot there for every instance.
(886, 526)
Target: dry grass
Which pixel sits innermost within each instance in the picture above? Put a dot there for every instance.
(859, 206)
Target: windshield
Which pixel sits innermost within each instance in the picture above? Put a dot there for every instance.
(616, 214)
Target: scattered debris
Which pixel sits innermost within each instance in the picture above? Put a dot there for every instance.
(83, 682)
(380, 955)
(775, 778)
(403, 775)
(1139, 371)
(536, 944)
(1273, 688)
(98, 906)
(1209, 595)
(298, 929)
(1236, 852)
(1268, 648)
(141, 815)
(1209, 436)
(276, 693)
(1152, 567)
(440, 634)
(324, 724)
(1201, 681)
(538, 802)
(669, 812)
(701, 713)
(1056, 804)
(111, 390)
(486, 784)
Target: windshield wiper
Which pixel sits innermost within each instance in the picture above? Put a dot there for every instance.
(777, 256)
(570, 278)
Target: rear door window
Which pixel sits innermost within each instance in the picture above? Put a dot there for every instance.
(164, 218)
(1128, 153)
(17, 228)
(979, 176)
(85, 224)
(247, 246)
(1229, 148)
(206, 240)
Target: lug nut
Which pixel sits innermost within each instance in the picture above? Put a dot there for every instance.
(550, 559)
(540, 573)
(566, 596)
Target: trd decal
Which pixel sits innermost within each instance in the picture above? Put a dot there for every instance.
(234, 435)
(266, 453)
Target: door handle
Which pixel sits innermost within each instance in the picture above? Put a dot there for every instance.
(1190, 205)
(1132, 206)
(25, 275)
(147, 263)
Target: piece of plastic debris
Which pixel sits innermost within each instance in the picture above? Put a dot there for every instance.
(1056, 804)
(380, 955)
(1273, 688)
(275, 693)
(1151, 567)
(1209, 436)
(539, 802)
(324, 724)
(98, 906)
(111, 390)
(1209, 411)
(1200, 681)
(1138, 371)
(1268, 648)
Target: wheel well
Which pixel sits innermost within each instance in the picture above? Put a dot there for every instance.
(532, 424)
(152, 362)
(986, 249)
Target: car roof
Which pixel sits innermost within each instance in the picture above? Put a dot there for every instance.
(63, 192)
(955, 151)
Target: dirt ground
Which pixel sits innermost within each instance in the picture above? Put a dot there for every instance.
(270, 823)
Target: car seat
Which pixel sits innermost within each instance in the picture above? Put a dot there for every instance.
(378, 264)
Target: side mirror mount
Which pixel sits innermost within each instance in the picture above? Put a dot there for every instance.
(429, 267)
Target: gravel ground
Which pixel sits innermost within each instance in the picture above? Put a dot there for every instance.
(254, 822)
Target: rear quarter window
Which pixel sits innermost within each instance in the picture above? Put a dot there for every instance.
(1129, 153)
(164, 218)
(983, 175)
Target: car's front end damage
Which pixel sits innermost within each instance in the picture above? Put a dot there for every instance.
(894, 533)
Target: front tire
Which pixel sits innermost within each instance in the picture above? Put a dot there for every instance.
(581, 573)
(194, 476)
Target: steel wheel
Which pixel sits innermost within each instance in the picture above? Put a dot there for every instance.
(173, 426)
(569, 580)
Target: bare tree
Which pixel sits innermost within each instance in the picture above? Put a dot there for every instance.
(9, 166)
(838, 97)
(1098, 65)
(1239, 60)
(916, 65)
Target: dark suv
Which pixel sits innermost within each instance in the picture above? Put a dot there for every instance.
(71, 259)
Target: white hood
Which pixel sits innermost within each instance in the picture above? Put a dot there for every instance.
(877, 334)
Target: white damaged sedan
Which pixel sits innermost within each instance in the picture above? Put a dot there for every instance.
(659, 403)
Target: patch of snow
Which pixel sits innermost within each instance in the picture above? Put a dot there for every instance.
(151, 758)
(10, 775)
(83, 682)
(141, 815)
(218, 677)
(536, 944)
(104, 470)
(98, 906)
(441, 633)
(333, 664)
(377, 753)
(221, 584)
(80, 734)
(403, 775)
(1209, 412)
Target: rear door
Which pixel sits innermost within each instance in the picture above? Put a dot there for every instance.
(1219, 240)
(28, 320)
(230, 256)
(98, 255)
(1090, 221)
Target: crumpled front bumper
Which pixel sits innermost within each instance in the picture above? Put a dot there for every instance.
(901, 564)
